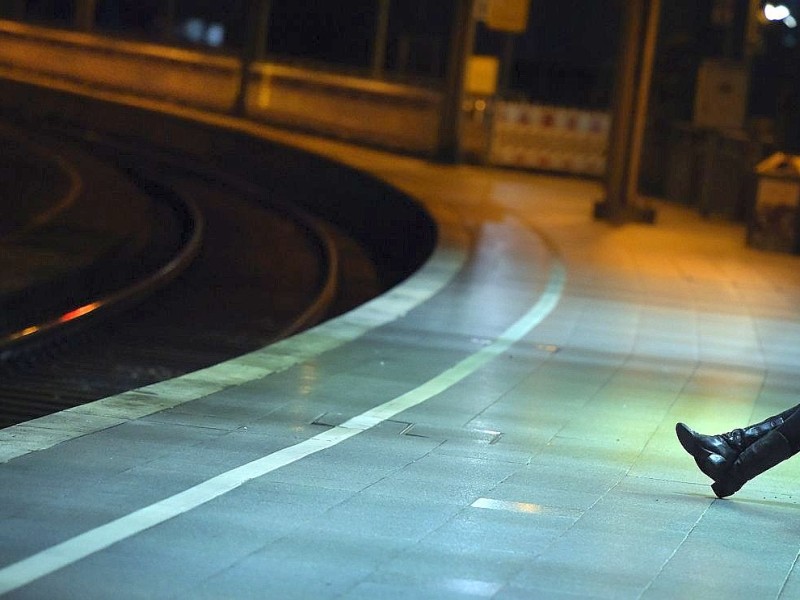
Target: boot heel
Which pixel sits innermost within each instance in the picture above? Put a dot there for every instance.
(761, 456)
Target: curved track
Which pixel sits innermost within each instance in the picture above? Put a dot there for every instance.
(265, 270)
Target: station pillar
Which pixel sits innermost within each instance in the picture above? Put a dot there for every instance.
(381, 35)
(254, 47)
(461, 43)
(84, 14)
(631, 95)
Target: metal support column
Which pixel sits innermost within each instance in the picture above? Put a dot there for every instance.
(84, 14)
(506, 64)
(461, 42)
(254, 47)
(168, 31)
(381, 36)
(631, 95)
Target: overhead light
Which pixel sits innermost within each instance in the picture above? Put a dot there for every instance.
(778, 12)
(790, 22)
(215, 34)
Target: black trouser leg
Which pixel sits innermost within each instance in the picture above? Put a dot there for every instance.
(766, 451)
(762, 455)
(791, 428)
(715, 454)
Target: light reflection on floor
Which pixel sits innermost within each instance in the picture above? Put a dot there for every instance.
(550, 472)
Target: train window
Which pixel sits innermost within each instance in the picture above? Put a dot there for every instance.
(320, 31)
(57, 12)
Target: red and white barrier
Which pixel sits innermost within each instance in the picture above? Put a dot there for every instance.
(550, 138)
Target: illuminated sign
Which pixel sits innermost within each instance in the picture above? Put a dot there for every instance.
(482, 75)
(508, 15)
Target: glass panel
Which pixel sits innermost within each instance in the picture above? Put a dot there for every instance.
(210, 23)
(566, 57)
(322, 31)
(138, 18)
(12, 9)
(419, 37)
(57, 12)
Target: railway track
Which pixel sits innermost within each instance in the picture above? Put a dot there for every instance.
(244, 269)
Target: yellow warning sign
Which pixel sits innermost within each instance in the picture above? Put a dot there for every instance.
(508, 15)
(482, 75)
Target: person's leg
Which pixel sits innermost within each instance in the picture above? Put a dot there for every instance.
(790, 429)
(760, 456)
(716, 454)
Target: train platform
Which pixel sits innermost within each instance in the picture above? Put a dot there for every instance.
(500, 425)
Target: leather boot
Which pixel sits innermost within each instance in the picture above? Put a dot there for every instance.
(762, 455)
(714, 454)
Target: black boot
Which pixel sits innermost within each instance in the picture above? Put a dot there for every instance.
(764, 454)
(714, 454)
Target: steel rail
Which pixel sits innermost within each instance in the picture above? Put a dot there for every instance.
(101, 307)
(88, 313)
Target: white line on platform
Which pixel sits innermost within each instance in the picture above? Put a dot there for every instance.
(45, 432)
(66, 553)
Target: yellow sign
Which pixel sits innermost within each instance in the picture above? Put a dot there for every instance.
(508, 15)
(482, 75)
